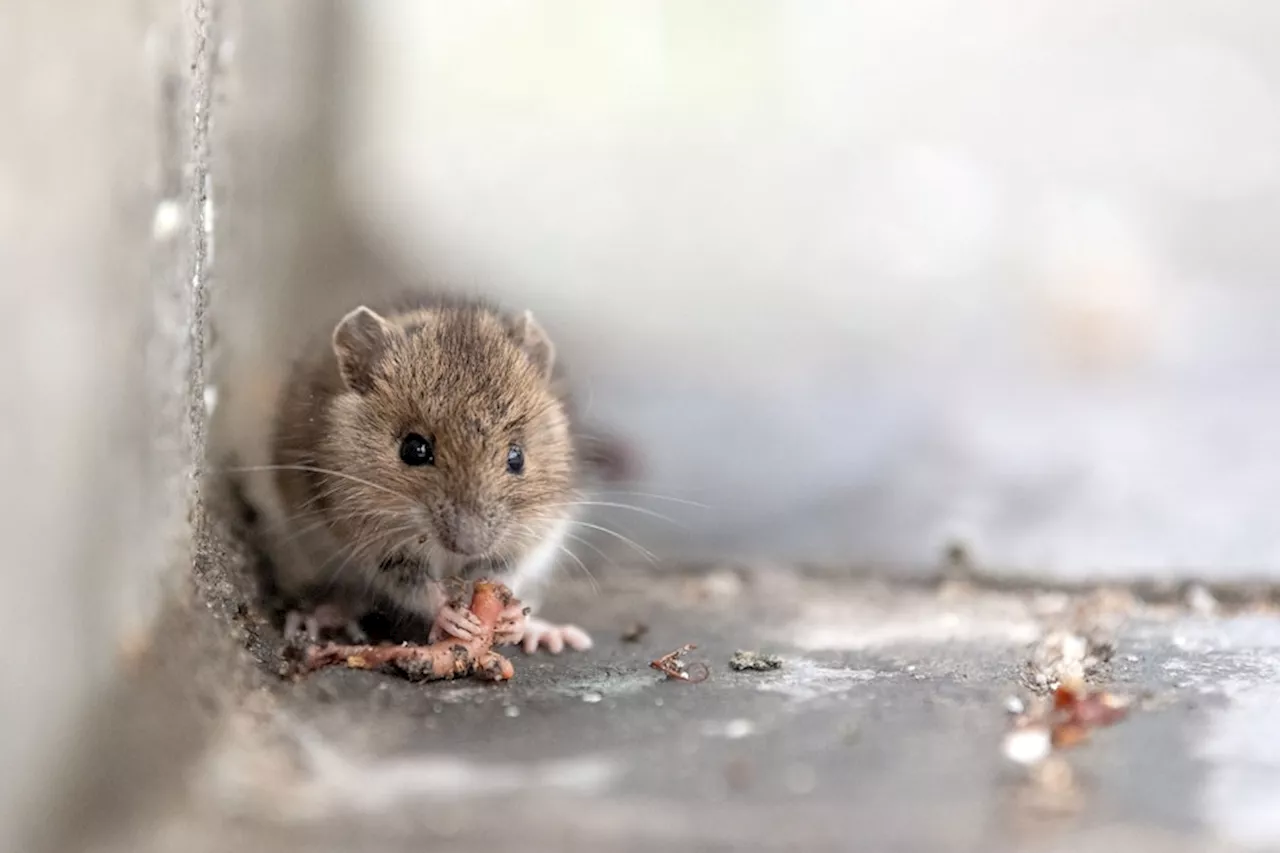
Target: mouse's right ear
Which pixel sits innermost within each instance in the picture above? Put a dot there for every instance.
(360, 340)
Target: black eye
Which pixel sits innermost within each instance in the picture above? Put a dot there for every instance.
(416, 450)
(515, 459)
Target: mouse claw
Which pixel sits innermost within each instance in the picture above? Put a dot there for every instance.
(540, 633)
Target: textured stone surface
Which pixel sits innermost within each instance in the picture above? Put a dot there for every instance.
(102, 260)
(882, 731)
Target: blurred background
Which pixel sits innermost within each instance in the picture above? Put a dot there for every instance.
(861, 282)
(866, 279)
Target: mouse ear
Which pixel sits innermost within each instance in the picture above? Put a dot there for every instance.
(533, 342)
(359, 340)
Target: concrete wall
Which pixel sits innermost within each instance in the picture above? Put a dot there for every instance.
(101, 264)
(869, 276)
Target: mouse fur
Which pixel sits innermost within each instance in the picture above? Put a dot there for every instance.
(347, 521)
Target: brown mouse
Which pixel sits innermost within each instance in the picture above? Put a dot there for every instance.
(426, 443)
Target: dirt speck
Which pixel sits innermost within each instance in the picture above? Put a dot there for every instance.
(635, 632)
(748, 661)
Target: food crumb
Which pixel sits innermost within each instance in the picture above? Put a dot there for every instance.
(746, 661)
(1061, 722)
(673, 667)
(1064, 657)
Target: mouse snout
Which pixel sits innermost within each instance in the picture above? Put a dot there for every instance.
(466, 532)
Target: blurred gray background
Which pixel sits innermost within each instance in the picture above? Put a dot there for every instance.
(865, 279)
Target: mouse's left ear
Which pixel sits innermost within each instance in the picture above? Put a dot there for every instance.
(533, 342)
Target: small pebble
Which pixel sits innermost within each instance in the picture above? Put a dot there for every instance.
(1131, 658)
(591, 698)
(511, 711)
(1014, 705)
(737, 729)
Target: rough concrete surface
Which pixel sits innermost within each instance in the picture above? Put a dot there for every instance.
(882, 731)
(101, 264)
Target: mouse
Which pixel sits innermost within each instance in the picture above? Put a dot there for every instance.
(415, 447)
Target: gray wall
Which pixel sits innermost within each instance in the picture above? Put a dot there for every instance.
(101, 259)
(869, 277)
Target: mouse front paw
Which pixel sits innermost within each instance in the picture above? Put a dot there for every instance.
(454, 620)
(324, 621)
(539, 633)
(512, 625)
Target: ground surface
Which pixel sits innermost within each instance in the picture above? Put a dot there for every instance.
(882, 731)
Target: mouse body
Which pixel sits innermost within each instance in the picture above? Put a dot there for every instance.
(416, 447)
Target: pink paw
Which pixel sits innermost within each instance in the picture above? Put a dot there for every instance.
(554, 637)
(452, 620)
(322, 621)
(512, 625)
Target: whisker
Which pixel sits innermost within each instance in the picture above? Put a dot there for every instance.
(575, 537)
(652, 496)
(369, 544)
(327, 471)
(613, 505)
(329, 520)
(653, 558)
(595, 585)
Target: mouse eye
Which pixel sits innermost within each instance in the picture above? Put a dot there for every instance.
(515, 459)
(416, 450)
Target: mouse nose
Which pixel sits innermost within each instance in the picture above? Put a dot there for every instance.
(468, 534)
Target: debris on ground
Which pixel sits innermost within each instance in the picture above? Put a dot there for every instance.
(1064, 657)
(635, 633)
(673, 667)
(746, 661)
(450, 658)
(957, 564)
(1079, 643)
(1062, 722)
(1200, 600)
